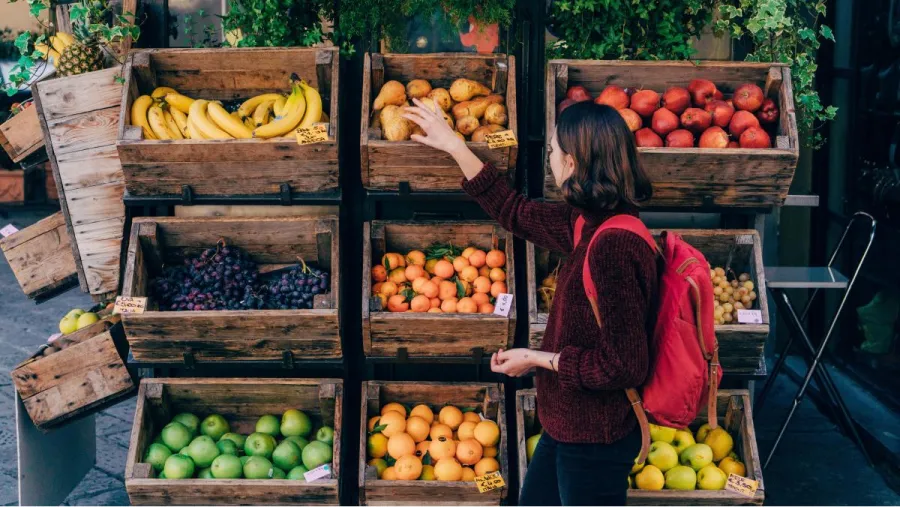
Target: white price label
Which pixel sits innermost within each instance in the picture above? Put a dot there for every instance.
(9, 230)
(749, 316)
(54, 337)
(322, 472)
(130, 305)
(503, 305)
(741, 485)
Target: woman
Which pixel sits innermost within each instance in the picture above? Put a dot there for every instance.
(591, 436)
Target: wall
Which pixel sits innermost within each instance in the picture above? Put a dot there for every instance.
(16, 16)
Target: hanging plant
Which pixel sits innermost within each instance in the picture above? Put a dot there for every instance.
(276, 23)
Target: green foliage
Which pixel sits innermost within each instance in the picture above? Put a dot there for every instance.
(785, 31)
(278, 22)
(207, 36)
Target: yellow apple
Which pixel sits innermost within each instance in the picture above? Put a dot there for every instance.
(697, 456)
(682, 478)
(720, 442)
(702, 431)
(730, 465)
(662, 433)
(650, 478)
(711, 478)
(86, 319)
(662, 456)
(683, 440)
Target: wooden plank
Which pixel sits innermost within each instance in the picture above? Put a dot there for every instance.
(12, 186)
(364, 123)
(21, 135)
(254, 211)
(40, 256)
(75, 95)
(91, 167)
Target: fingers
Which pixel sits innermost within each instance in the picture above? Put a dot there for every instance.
(431, 112)
(418, 120)
(424, 140)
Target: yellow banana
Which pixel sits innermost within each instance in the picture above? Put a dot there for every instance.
(292, 117)
(278, 106)
(66, 38)
(139, 115)
(158, 122)
(161, 91)
(249, 105)
(57, 44)
(179, 101)
(43, 49)
(249, 123)
(53, 56)
(234, 127)
(313, 105)
(174, 129)
(180, 121)
(193, 133)
(204, 125)
(261, 115)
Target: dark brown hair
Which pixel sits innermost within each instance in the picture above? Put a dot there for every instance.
(608, 172)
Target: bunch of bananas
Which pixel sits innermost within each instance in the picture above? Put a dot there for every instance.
(167, 114)
(58, 44)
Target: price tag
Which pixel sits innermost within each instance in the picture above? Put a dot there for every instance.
(489, 482)
(322, 472)
(738, 484)
(54, 337)
(309, 135)
(749, 316)
(129, 305)
(503, 304)
(9, 230)
(502, 139)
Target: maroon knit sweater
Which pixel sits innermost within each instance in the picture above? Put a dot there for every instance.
(585, 401)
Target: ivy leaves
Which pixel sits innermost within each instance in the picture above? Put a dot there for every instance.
(277, 22)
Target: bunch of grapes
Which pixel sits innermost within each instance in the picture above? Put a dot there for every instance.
(731, 295)
(296, 288)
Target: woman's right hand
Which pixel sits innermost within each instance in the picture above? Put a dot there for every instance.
(440, 136)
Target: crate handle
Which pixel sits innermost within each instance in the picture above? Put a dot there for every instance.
(187, 195)
(189, 360)
(287, 360)
(285, 190)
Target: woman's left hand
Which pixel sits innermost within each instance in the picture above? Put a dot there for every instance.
(515, 362)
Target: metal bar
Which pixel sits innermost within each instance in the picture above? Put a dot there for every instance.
(329, 198)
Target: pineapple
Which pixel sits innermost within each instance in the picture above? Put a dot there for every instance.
(85, 54)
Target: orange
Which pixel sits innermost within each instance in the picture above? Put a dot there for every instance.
(439, 449)
(389, 474)
(478, 258)
(393, 261)
(401, 444)
(408, 468)
(487, 433)
(448, 470)
(379, 274)
(440, 430)
(481, 298)
(486, 465)
(460, 263)
(395, 423)
(420, 304)
(465, 305)
(427, 473)
(482, 284)
(417, 284)
(434, 310)
(412, 272)
(466, 429)
(393, 407)
(449, 305)
(417, 428)
(468, 475)
(486, 308)
(471, 417)
(376, 445)
(373, 421)
(398, 276)
(422, 411)
(435, 304)
(469, 273)
(498, 288)
(397, 303)
(446, 290)
(484, 271)
(416, 258)
(422, 449)
(429, 266)
(389, 289)
(437, 280)
(497, 275)
(496, 259)
(376, 289)
(468, 252)
(469, 452)
(379, 465)
(429, 290)
(451, 416)
(444, 269)
(490, 452)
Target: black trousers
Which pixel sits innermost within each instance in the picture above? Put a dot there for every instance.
(580, 474)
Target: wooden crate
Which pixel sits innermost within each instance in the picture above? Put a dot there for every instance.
(388, 165)
(389, 334)
(735, 414)
(12, 186)
(241, 335)
(486, 398)
(41, 257)
(21, 135)
(694, 177)
(236, 166)
(740, 345)
(79, 379)
(241, 401)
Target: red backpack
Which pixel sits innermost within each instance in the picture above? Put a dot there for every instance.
(684, 355)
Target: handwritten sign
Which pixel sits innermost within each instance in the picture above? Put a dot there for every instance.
(740, 485)
(502, 139)
(322, 472)
(749, 316)
(503, 304)
(489, 482)
(129, 305)
(309, 135)
(9, 230)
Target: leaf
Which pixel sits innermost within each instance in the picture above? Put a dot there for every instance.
(387, 264)
(468, 409)
(460, 289)
(78, 12)
(379, 428)
(826, 32)
(426, 459)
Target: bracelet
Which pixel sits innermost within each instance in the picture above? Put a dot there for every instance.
(551, 362)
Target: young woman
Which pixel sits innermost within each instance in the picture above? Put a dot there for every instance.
(591, 436)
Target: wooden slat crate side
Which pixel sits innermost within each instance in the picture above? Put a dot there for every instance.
(40, 256)
(526, 416)
(21, 135)
(12, 186)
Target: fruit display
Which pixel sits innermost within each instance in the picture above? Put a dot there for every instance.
(469, 107)
(732, 292)
(75, 320)
(166, 114)
(441, 279)
(698, 115)
(279, 448)
(73, 53)
(431, 443)
(227, 278)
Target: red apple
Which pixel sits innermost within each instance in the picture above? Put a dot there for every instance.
(741, 121)
(676, 99)
(730, 102)
(701, 91)
(645, 102)
(748, 97)
(755, 137)
(664, 121)
(768, 113)
(696, 119)
(714, 137)
(680, 138)
(733, 144)
(613, 96)
(564, 104)
(578, 93)
(721, 112)
(632, 119)
(718, 95)
(646, 138)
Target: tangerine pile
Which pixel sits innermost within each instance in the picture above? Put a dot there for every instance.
(440, 280)
(417, 445)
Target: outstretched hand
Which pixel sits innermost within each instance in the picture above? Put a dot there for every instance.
(438, 133)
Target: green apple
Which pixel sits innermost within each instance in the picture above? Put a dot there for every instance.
(214, 427)
(325, 435)
(68, 325)
(190, 421)
(269, 425)
(227, 447)
(227, 466)
(236, 438)
(683, 440)
(86, 319)
(287, 455)
(205, 473)
(178, 467)
(650, 478)
(258, 467)
(76, 312)
(297, 472)
(300, 441)
(176, 436)
(185, 451)
(662, 433)
(531, 445)
(702, 431)
(682, 478)
(203, 451)
(316, 454)
(162, 475)
(157, 439)
(244, 460)
(295, 423)
(711, 478)
(278, 473)
(259, 444)
(157, 454)
(662, 456)
(697, 456)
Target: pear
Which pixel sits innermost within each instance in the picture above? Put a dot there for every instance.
(393, 93)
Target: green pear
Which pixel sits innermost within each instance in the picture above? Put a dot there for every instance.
(711, 478)
(258, 467)
(697, 456)
(236, 438)
(227, 447)
(203, 451)
(190, 421)
(295, 423)
(178, 467)
(269, 425)
(157, 454)
(662, 456)
(681, 478)
(205, 473)
(259, 444)
(662, 433)
(300, 441)
(214, 426)
(287, 455)
(297, 472)
(227, 466)
(316, 454)
(683, 440)
(176, 436)
(278, 473)
(325, 435)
